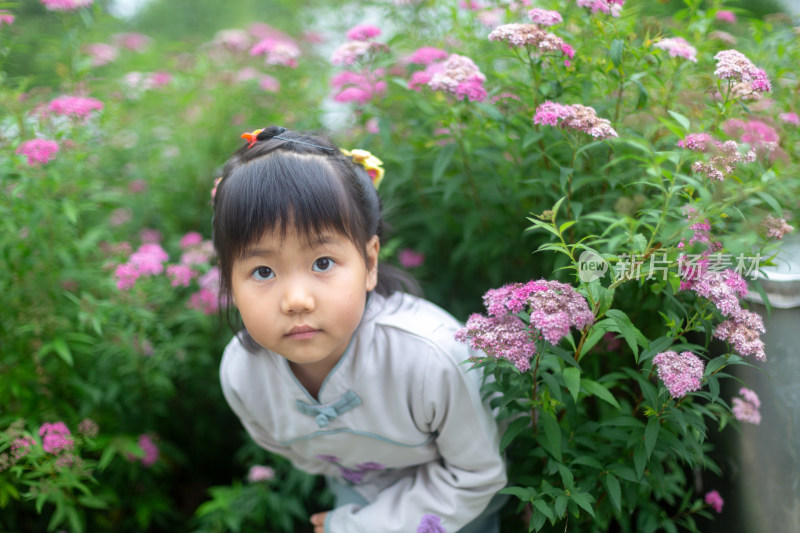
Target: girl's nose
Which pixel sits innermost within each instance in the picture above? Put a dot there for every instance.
(297, 298)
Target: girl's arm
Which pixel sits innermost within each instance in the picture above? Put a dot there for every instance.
(456, 488)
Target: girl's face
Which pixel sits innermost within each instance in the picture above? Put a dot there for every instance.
(303, 298)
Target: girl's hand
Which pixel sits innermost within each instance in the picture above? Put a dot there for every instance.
(318, 521)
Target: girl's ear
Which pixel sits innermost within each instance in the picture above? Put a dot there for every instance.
(373, 249)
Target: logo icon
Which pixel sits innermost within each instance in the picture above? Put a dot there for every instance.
(591, 266)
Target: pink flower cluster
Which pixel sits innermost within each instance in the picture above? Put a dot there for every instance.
(76, 106)
(681, 373)
(21, 446)
(734, 66)
(742, 328)
(144, 81)
(724, 156)
(746, 408)
(363, 32)
(457, 75)
(38, 151)
(776, 227)
(426, 55)
(6, 18)
(790, 118)
(55, 437)
(277, 51)
(133, 41)
(701, 231)
(678, 47)
(259, 473)
(545, 17)
(351, 52)
(206, 299)
(149, 448)
(574, 117)
(608, 7)
(101, 53)
(65, 5)
(553, 308)
(726, 16)
(359, 87)
(760, 136)
(532, 37)
(714, 500)
(410, 259)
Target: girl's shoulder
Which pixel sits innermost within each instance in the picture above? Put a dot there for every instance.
(414, 318)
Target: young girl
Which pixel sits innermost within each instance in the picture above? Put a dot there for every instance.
(336, 369)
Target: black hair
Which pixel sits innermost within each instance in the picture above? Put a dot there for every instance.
(288, 179)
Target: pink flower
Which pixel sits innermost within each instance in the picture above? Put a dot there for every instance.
(503, 337)
(65, 5)
(776, 227)
(260, 473)
(358, 87)
(6, 18)
(363, 32)
(352, 52)
(680, 373)
(77, 106)
(55, 437)
(150, 235)
(88, 428)
(372, 126)
(743, 332)
(199, 254)
(21, 446)
(545, 17)
(38, 151)
(527, 35)
(713, 499)
(574, 117)
(277, 51)
(734, 66)
(150, 450)
(746, 408)
(191, 239)
(160, 78)
(678, 47)
(608, 7)
(426, 56)
(790, 118)
(269, 83)
(753, 132)
(101, 53)
(204, 301)
(696, 142)
(458, 75)
(126, 275)
(136, 42)
(726, 16)
(235, 40)
(149, 259)
(410, 259)
(180, 275)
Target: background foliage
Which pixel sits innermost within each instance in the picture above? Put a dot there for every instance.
(471, 185)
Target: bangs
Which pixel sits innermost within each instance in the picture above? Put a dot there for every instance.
(302, 191)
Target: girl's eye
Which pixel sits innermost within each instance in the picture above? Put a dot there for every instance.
(323, 264)
(262, 273)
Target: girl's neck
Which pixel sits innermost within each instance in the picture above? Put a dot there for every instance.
(312, 375)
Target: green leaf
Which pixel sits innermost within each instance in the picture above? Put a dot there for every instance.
(552, 435)
(617, 46)
(639, 461)
(682, 120)
(614, 492)
(572, 379)
(544, 225)
(629, 332)
(514, 429)
(597, 389)
(584, 500)
(651, 435)
(525, 494)
(543, 508)
(442, 161)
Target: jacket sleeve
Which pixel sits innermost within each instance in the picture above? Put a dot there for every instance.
(456, 488)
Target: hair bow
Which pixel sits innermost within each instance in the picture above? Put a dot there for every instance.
(370, 163)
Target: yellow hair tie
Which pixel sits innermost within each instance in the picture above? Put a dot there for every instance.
(370, 163)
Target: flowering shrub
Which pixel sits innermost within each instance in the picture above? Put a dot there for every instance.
(652, 148)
